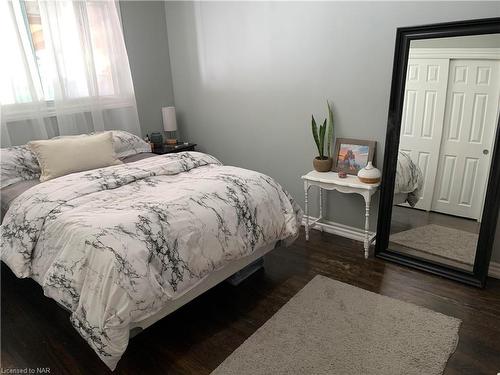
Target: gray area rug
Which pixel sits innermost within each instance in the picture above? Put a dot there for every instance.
(444, 242)
(334, 328)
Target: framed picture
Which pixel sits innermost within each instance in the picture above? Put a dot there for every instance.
(351, 155)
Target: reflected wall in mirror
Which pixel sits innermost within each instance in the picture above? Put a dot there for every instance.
(446, 128)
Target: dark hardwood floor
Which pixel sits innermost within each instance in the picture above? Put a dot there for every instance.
(36, 333)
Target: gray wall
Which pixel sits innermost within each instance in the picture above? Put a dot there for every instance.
(248, 76)
(145, 32)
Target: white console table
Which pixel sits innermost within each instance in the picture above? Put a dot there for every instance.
(350, 184)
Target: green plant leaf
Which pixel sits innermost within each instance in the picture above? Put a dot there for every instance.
(329, 132)
(322, 131)
(314, 128)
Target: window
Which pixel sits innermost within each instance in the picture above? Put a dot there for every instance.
(34, 21)
(65, 49)
(63, 70)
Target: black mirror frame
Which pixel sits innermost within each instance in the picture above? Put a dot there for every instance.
(404, 36)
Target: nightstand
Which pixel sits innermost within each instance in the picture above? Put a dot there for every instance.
(331, 181)
(169, 149)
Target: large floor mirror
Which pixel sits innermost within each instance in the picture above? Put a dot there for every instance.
(441, 177)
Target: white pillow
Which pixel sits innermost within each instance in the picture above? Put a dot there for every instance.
(59, 157)
(127, 144)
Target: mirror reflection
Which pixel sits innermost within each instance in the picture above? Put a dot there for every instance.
(449, 121)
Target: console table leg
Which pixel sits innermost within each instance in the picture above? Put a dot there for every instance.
(306, 188)
(367, 224)
(320, 208)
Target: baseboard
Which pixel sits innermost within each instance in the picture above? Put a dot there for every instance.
(494, 270)
(359, 235)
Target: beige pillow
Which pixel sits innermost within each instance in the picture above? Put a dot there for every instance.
(59, 157)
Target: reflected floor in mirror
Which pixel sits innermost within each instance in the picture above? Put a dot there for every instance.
(440, 238)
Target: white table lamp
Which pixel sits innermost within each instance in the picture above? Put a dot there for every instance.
(170, 124)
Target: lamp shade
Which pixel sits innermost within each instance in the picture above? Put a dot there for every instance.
(169, 119)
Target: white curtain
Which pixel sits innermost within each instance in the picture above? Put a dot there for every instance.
(63, 70)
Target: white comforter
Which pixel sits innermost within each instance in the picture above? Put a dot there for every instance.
(114, 245)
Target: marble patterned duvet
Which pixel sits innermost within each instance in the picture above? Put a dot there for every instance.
(409, 179)
(114, 245)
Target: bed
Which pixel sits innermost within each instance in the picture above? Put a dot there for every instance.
(409, 181)
(123, 246)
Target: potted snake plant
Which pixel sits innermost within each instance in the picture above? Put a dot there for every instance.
(323, 162)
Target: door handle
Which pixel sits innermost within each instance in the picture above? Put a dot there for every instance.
(486, 152)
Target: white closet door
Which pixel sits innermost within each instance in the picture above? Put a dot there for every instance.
(469, 130)
(423, 115)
